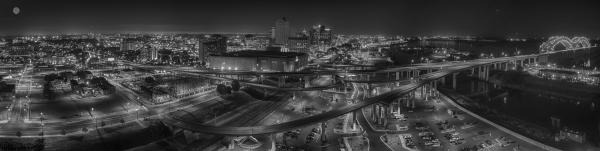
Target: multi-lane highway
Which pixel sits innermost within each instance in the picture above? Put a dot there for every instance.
(445, 69)
(18, 107)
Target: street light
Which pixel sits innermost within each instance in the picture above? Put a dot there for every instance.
(91, 113)
(42, 121)
(137, 113)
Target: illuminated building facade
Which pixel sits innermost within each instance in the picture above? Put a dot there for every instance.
(251, 60)
(281, 31)
(211, 45)
(320, 35)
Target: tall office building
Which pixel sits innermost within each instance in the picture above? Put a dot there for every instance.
(320, 35)
(281, 31)
(130, 44)
(149, 53)
(298, 44)
(210, 45)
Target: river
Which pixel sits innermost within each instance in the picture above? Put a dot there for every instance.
(538, 115)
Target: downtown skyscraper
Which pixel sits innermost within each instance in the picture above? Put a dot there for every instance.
(281, 32)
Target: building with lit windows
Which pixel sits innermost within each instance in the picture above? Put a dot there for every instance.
(130, 44)
(251, 60)
(298, 44)
(281, 31)
(149, 54)
(320, 35)
(211, 45)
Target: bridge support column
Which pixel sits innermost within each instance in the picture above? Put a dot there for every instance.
(333, 79)
(443, 80)
(472, 86)
(473, 71)
(424, 92)
(521, 63)
(306, 81)
(374, 112)
(397, 76)
(454, 80)
(413, 103)
(281, 81)
(378, 115)
(487, 72)
(479, 72)
(381, 119)
(354, 121)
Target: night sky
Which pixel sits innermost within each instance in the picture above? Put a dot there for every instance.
(414, 17)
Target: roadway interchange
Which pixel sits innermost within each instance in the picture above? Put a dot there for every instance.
(407, 86)
(33, 128)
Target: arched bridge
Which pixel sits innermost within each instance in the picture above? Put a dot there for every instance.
(568, 43)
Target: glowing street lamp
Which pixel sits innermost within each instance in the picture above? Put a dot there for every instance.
(92, 113)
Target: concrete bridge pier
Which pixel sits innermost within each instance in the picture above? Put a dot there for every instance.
(382, 120)
(521, 61)
(486, 74)
(281, 81)
(454, 80)
(443, 80)
(306, 81)
(333, 79)
(374, 114)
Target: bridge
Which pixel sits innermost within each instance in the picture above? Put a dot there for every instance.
(479, 68)
(407, 79)
(568, 43)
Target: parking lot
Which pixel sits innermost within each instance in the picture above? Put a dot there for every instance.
(445, 127)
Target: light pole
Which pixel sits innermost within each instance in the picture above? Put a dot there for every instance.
(214, 116)
(42, 121)
(91, 113)
(137, 114)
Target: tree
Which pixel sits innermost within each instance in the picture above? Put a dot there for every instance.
(47, 91)
(235, 85)
(50, 77)
(221, 89)
(519, 68)
(73, 83)
(83, 74)
(150, 80)
(228, 90)
(399, 57)
(66, 75)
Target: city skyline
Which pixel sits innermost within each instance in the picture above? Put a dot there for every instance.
(478, 18)
(406, 75)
